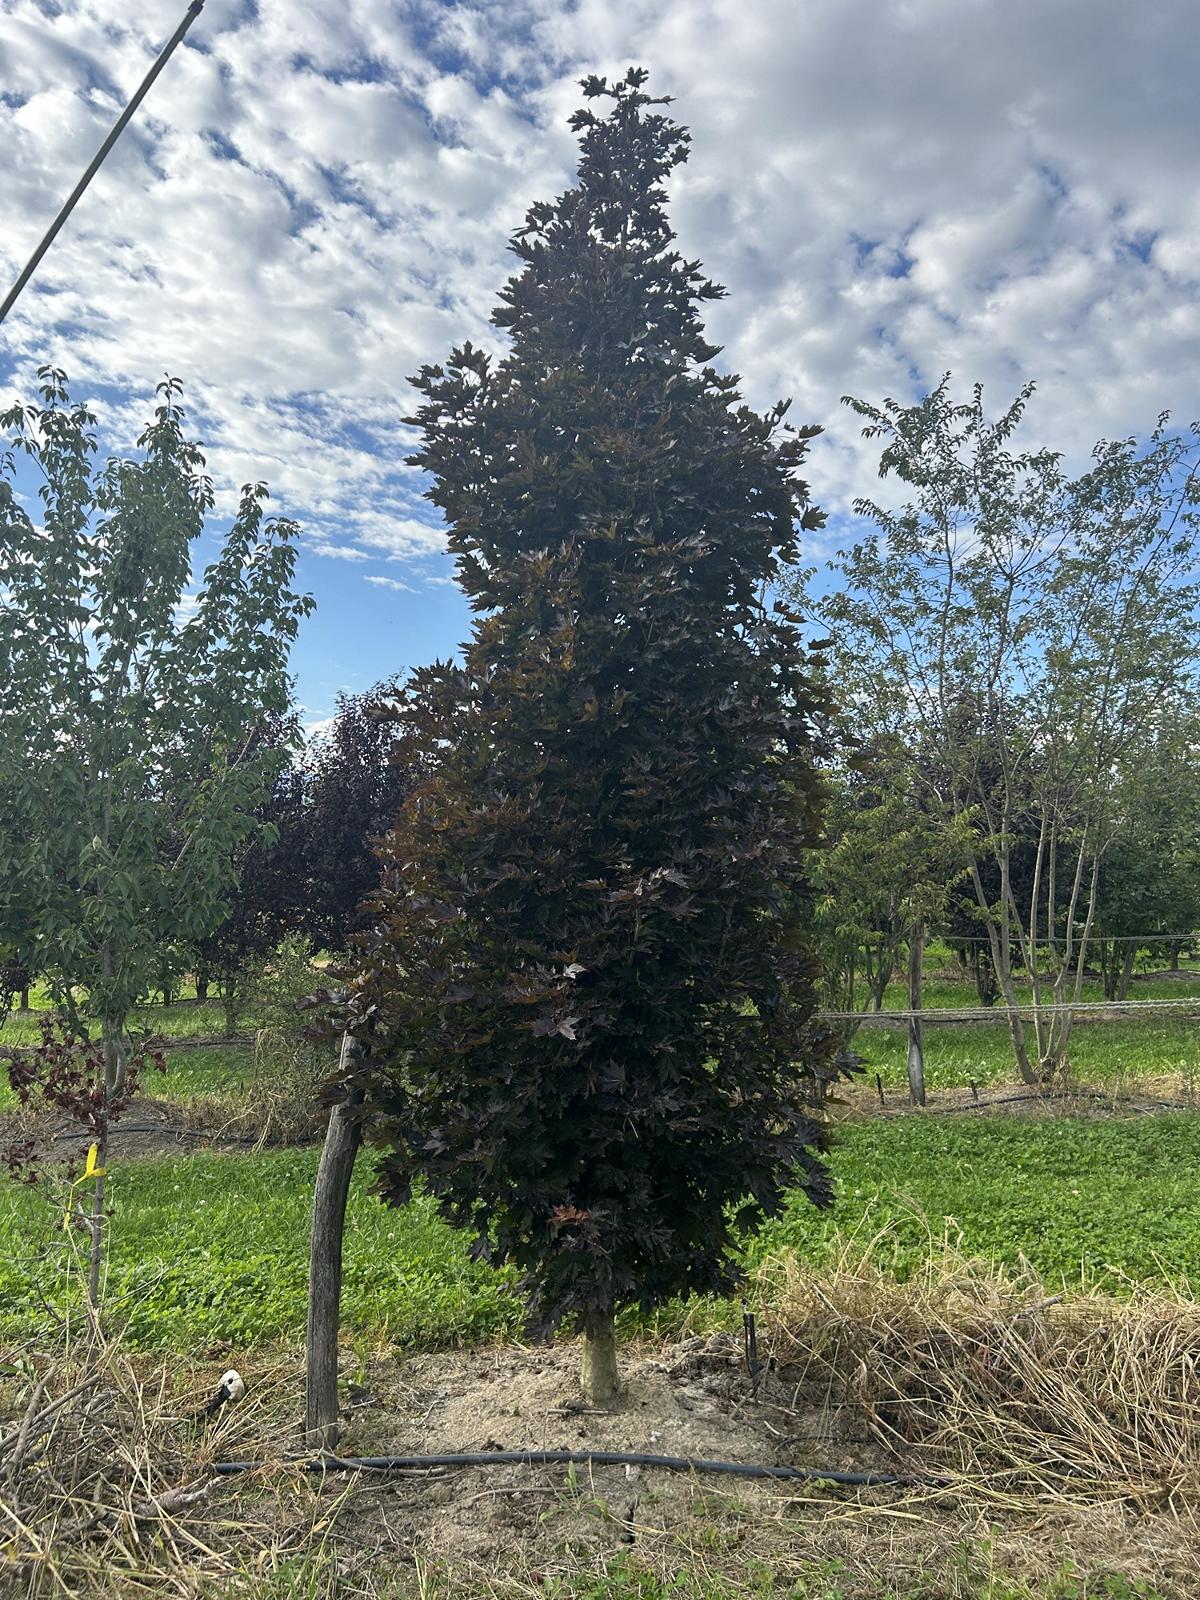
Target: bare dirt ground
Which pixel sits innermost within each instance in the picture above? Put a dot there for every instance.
(150, 1128)
(523, 1531)
(513, 1528)
(155, 1128)
(1168, 1092)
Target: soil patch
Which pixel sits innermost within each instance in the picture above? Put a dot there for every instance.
(151, 1128)
(507, 1529)
(860, 1098)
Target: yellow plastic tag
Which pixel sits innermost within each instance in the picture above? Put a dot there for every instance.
(91, 1170)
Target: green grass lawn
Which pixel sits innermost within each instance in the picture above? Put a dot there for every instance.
(207, 1248)
(214, 1247)
(183, 1019)
(1078, 1198)
(202, 1069)
(1102, 1053)
(221, 1070)
(1107, 1054)
(946, 984)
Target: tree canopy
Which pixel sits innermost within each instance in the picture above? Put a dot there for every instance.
(1030, 638)
(130, 763)
(587, 989)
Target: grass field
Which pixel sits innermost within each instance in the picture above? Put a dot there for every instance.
(1112, 1055)
(946, 986)
(209, 1248)
(182, 1019)
(1107, 1053)
(207, 1262)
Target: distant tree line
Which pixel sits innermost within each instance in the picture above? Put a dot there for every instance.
(304, 869)
(1014, 654)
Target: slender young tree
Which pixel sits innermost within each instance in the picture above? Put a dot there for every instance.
(1027, 635)
(885, 877)
(270, 892)
(129, 772)
(587, 989)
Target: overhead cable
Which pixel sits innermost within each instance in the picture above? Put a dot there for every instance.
(118, 127)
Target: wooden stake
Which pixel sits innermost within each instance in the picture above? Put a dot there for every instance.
(330, 1195)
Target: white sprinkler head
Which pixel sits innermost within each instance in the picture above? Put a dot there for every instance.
(233, 1384)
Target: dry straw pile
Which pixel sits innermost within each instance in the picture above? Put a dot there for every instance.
(1014, 1392)
(1054, 1423)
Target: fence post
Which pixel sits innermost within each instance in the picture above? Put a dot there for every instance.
(916, 1039)
(330, 1194)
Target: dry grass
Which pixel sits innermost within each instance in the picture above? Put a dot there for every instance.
(105, 1487)
(1069, 1429)
(970, 1371)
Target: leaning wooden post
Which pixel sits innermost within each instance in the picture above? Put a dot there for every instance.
(330, 1193)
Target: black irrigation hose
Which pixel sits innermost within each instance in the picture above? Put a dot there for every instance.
(1050, 1099)
(167, 1132)
(602, 1458)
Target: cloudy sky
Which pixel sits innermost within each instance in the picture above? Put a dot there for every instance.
(316, 198)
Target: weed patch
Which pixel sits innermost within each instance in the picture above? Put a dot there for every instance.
(208, 1248)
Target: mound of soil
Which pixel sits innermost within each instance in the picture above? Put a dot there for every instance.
(692, 1399)
(531, 1525)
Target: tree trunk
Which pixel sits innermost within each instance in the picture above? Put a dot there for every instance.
(201, 989)
(167, 994)
(229, 1000)
(598, 1367)
(916, 1037)
(110, 1088)
(999, 937)
(96, 1224)
(330, 1195)
(1108, 968)
(985, 978)
(1174, 967)
(1126, 977)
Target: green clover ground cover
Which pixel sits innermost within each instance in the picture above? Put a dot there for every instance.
(1111, 1055)
(1078, 1198)
(214, 1247)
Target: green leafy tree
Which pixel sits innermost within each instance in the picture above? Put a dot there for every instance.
(1025, 634)
(1150, 878)
(586, 988)
(888, 866)
(270, 890)
(129, 769)
(885, 877)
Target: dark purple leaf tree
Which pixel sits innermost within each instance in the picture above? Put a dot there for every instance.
(587, 985)
(353, 789)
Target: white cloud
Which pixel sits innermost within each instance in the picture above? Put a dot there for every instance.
(401, 537)
(389, 583)
(341, 552)
(315, 200)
